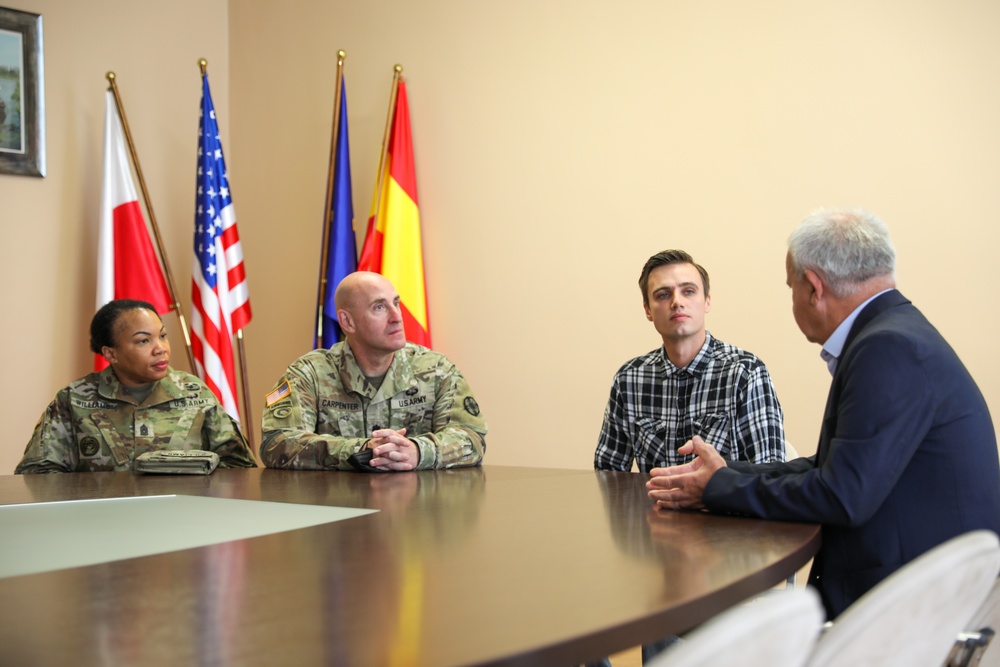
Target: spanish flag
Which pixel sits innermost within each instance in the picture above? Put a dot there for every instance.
(392, 244)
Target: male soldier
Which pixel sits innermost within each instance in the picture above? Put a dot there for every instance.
(374, 391)
(907, 454)
(694, 384)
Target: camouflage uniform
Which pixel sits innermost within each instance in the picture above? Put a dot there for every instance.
(94, 425)
(324, 409)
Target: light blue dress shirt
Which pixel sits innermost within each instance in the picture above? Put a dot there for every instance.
(834, 345)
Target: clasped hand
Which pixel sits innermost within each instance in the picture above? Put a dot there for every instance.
(393, 450)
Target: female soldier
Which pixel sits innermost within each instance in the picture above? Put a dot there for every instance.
(103, 421)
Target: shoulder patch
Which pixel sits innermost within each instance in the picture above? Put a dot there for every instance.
(471, 406)
(281, 392)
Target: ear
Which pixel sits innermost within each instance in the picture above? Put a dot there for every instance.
(649, 316)
(708, 303)
(345, 320)
(818, 288)
(109, 354)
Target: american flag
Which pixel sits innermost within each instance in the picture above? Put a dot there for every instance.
(219, 295)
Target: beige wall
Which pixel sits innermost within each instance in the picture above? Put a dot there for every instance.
(49, 245)
(558, 144)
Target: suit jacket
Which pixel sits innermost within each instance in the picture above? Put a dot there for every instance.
(907, 457)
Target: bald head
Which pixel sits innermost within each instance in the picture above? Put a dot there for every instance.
(369, 314)
(356, 285)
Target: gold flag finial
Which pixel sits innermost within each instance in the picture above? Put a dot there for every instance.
(397, 69)
(203, 64)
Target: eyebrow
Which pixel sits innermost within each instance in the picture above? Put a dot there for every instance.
(147, 333)
(663, 287)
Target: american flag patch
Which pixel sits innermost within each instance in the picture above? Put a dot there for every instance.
(278, 393)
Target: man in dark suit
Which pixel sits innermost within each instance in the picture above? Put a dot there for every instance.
(907, 454)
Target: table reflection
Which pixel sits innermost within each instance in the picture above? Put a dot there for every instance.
(421, 515)
(710, 546)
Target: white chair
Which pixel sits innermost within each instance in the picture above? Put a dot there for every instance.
(778, 630)
(912, 617)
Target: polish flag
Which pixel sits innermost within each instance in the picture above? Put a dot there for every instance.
(127, 265)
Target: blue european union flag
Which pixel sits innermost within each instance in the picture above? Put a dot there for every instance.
(342, 254)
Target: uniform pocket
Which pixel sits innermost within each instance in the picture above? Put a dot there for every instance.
(107, 441)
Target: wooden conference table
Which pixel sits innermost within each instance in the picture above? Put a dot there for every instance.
(481, 566)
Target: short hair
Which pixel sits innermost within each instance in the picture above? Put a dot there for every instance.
(663, 259)
(845, 247)
(102, 327)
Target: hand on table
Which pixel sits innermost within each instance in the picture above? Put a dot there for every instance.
(681, 487)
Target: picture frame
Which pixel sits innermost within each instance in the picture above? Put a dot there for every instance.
(22, 94)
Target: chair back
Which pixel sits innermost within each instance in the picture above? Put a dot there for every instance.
(912, 617)
(790, 452)
(776, 630)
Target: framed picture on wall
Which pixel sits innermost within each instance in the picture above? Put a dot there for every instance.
(22, 94)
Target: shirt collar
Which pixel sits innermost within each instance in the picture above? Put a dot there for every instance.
(696, 366)
(834, 345)
(109, 386)
(398, 378)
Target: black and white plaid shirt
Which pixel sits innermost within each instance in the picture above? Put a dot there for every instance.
(724, 395)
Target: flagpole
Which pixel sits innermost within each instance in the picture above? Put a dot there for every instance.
(244, 380)
(175, 306)
(248, 427)
(328, 213)
(396, 73)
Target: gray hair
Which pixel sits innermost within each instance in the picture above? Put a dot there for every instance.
(846, 247)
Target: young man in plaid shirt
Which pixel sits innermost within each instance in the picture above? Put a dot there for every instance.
(694, 384)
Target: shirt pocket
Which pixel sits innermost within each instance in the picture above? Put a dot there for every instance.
(185, 434)
(650, 442)
(108, 444)
(413, 409)
(714, 429)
